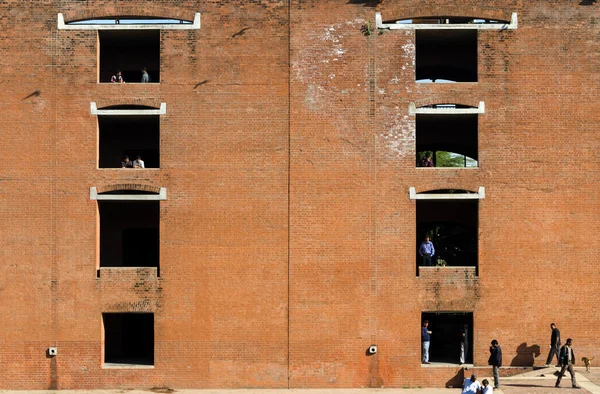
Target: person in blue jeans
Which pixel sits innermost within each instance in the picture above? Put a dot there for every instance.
(425, 339)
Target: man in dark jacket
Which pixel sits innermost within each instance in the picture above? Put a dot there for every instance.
(554, 345)
(566, 360)
(495, 361)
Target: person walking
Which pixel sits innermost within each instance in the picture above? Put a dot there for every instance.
(495, 361)
(425, 340)
(554, 346)
(567, 359)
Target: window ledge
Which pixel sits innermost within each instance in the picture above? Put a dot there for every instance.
(433, 364)
(446, 168)
(126, 366)
(134, 169)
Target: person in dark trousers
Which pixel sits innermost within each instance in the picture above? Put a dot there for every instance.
(426, 251)
(425, 340)
(495, 361)
(554, 345)
(567, 359)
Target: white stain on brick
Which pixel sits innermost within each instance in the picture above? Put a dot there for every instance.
(399, 134)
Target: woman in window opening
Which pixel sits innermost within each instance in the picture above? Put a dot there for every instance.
(427, 160)
(117, 78)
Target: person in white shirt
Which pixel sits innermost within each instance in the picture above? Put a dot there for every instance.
(471, 385)
(487, 389)
(138, 163)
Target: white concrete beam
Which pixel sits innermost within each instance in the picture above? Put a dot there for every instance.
(162, 195)
(195, 25)
(95, 111)
(456, 26)
(413, 195)
(413, 110)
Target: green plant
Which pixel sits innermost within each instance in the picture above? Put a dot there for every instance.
(441, 262)
(366, 29)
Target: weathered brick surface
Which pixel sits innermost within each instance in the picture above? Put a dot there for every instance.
(287, 151)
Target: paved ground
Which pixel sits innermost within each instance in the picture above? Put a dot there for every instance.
(540, 381)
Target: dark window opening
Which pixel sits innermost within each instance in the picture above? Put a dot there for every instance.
(452, 228)
(131, 136)
(129, 234)
(447, 329)
(128, 338)
(129, 51)
(446, 55)
(448, 140)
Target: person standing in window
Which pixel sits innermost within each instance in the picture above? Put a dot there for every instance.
(554, 345)
(463, 343)
(426, 251)
(145, 76)
(117, 78)
(425, 340)
(138, 163)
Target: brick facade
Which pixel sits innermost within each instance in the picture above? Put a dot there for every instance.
(287, 240)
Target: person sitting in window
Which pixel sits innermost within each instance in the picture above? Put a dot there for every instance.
(145, 76)
(138, 163)
(426, 161)
(126, 163)
(117, 78)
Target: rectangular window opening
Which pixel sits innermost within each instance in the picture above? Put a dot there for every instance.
(131, 136)
(452, 227)
(129, 234)
(447, 140)
(451, 339)
(446, 55)
(128, 338)
(129, 51)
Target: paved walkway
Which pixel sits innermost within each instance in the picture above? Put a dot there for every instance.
(540, 381)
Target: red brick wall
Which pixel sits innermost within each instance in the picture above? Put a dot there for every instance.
(287, 238)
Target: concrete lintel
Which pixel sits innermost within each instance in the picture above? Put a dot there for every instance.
(150, 26)
(95, 111)
(413, 110)
(162, 195)
(458, 26)
(480, 195)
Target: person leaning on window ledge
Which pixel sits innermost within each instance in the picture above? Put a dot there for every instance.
(126, 163)
(117, 78)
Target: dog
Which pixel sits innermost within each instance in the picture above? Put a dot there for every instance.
(587, 362)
